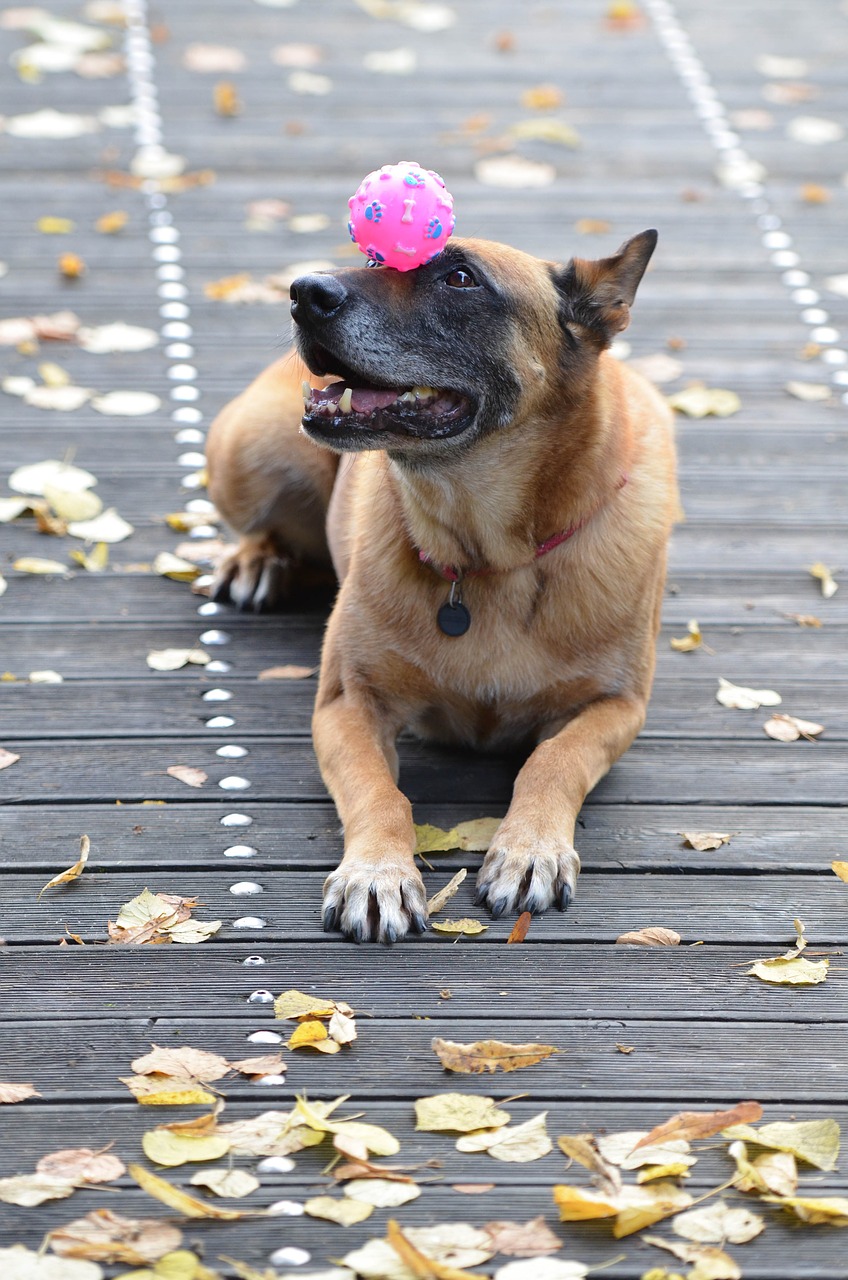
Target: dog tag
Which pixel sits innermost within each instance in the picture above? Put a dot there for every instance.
(453, 619)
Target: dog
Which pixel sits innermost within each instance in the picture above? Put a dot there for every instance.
(498, 525)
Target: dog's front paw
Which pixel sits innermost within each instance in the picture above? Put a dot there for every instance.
(255, 577)
(526, 873)
(375, 900)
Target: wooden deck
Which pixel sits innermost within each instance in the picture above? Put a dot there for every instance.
(765, 496)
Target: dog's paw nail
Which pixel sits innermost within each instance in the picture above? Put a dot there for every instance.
(419, 923)
(330, 919)
(565, 897)
(499, 906)
(390, 935)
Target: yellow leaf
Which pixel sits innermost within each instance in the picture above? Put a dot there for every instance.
(37, 564)
(457, 1112)
(816, 1142)
(474, 836)
(179, 1265)
(542, 97)
(824, 575)
(545, 129)
(92, 561)
(774, 1173)
(164, 1091)
(74, 872)
(381, 1193)
(73, 504)
(308, 1033)
(232, 1184)
(579, 1204)
(832, 1210)
(710, 1263)
(71, 266)
(377, 1140)
(110, 223)
(518, 1144)
(294, 1004)
(183, 1203)
(464, 926)
(54, 226)
(226, 99)
(840, 869)
(794, 971)
(663, 1200)
(345, 1212)
(685, 644)
(699, 401)
(652, 1172)
(489, 1055)
(171, 566)
(173, 1149)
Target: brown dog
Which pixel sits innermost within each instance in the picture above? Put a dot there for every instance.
(499, 532)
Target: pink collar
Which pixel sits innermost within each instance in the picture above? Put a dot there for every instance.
(450, 573)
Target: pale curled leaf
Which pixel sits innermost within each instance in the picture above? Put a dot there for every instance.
(784, 728)
(744, 699)
(191, 776)
(700, 1124)
(840, 869)
(790, 970)
(184, 1204)
(81, 1164)
(447, 892)
(380, 1192)
(109, 1237)
(700, 401)
(465, 926)
(107, 527)
(7, 758)
(31, 1189)
(232, 1184)
(288, 672)
(718, 1223)
(175, 659)
(710, 1263)
(184, 1063)
(650, 936)
(830, 1210)
(522, 1239)
(73, 872)
(419, 1263)
(820, 571)
(703, 841)
(11, 1093)
(344, 1212)
(774, 1172)
(20, 1263)
(488, 1055)
(693, 640)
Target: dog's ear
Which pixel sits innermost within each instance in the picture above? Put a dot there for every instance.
(598, 294)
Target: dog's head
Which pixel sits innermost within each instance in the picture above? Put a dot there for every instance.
(429, 360)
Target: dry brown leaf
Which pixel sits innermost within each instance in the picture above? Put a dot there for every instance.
(109, 224)
(288, 672)
(523, 1239)
(831, 1210)
(592, 226)
(488, 1055)
(700, 1124)
(464, 926)
(804, 619)
(186, 773)
(269, 1064)
(582, 1147)
(183, 1063)
(105, 1236)
(543, 97)
(11, 1093)
(520, 928)
(80, 1164)
(650, 936)
(784, 728)
(226, 100)
(447, 892)
(703, 841)
(74, 872)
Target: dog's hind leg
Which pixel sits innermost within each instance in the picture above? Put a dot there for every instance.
(272, 485)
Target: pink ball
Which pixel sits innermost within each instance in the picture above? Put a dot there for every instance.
(401, 215)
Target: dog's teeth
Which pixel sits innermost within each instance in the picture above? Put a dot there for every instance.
(307, 392)
(346, 402)
(424, 393)
(408, 397)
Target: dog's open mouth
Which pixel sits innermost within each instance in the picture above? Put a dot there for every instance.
(425, 412)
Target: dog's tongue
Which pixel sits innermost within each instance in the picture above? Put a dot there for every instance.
(364, 399)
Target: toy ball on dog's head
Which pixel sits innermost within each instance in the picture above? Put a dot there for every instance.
(401, 216)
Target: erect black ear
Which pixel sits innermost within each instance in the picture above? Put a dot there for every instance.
(599, 294)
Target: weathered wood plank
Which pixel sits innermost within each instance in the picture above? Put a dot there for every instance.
(709, 908)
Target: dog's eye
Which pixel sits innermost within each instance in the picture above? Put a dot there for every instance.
(461, 279)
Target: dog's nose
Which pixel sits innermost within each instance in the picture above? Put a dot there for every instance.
(316, 297)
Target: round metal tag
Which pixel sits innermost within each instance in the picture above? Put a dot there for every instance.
(453, 619)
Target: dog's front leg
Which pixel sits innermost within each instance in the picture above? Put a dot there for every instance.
(532, 863)
(376, 892)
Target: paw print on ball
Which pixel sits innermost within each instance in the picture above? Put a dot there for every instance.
(401, 215)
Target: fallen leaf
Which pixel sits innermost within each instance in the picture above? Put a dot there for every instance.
(40, 565)
(377, 1260)
(814, 131)
(31, 1189)
(269, 1064)
(718, 1223)
(420, 1265)
(658, 368)
(473, 1188)
(542, 97)
(522, 1239)
(11, 1093)
(818, 570)
(184, 1063)
(48, 123)
(582, 1204)
(743, 699)
(126, 404)
(310, 84)
(272, 1133)
(345, 1212)
(838, 285)
(73, 504)
(186, 773)
(455, 1244)
(296, 55)
(184, 1204)
(592, 226)
(81, 1164)
(583, 1148)
(686, 644)
(54, 226)
(71, 266)
(391, 62)
(171, 566)
(445, 894)
(830, 1210)
(804, 619)
(650, 936)
(809, 391)
(213, 59)
(518, 1144)
(464, 926)
(179, 1265)
(457, 1112)
(20, 1263)
(381, 1193)
(74, 872)
(166, 1091)
(105, 339)
(107, 527)
(342, 1028)
(173, 1149)
(542, 1269)
(840, 869)
(175, 659)
(816, 1142)
(11, 508)
(520, 928)
(488, 1055)
(781, 68)
(664, 1199)
(288, 672)
(226, 100)
(514, 171)
(703, 841)
(710, 1263)
(472, 837)
(292, 1005)
(688, 1125)
(157, 917)
(309, 1034)
(785, 728)
(699, 401)
(229, 1183)
(794, 971)
(34, 478)
(109, 1237)
(109, 224)
(545, 129)
(774, 1172)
